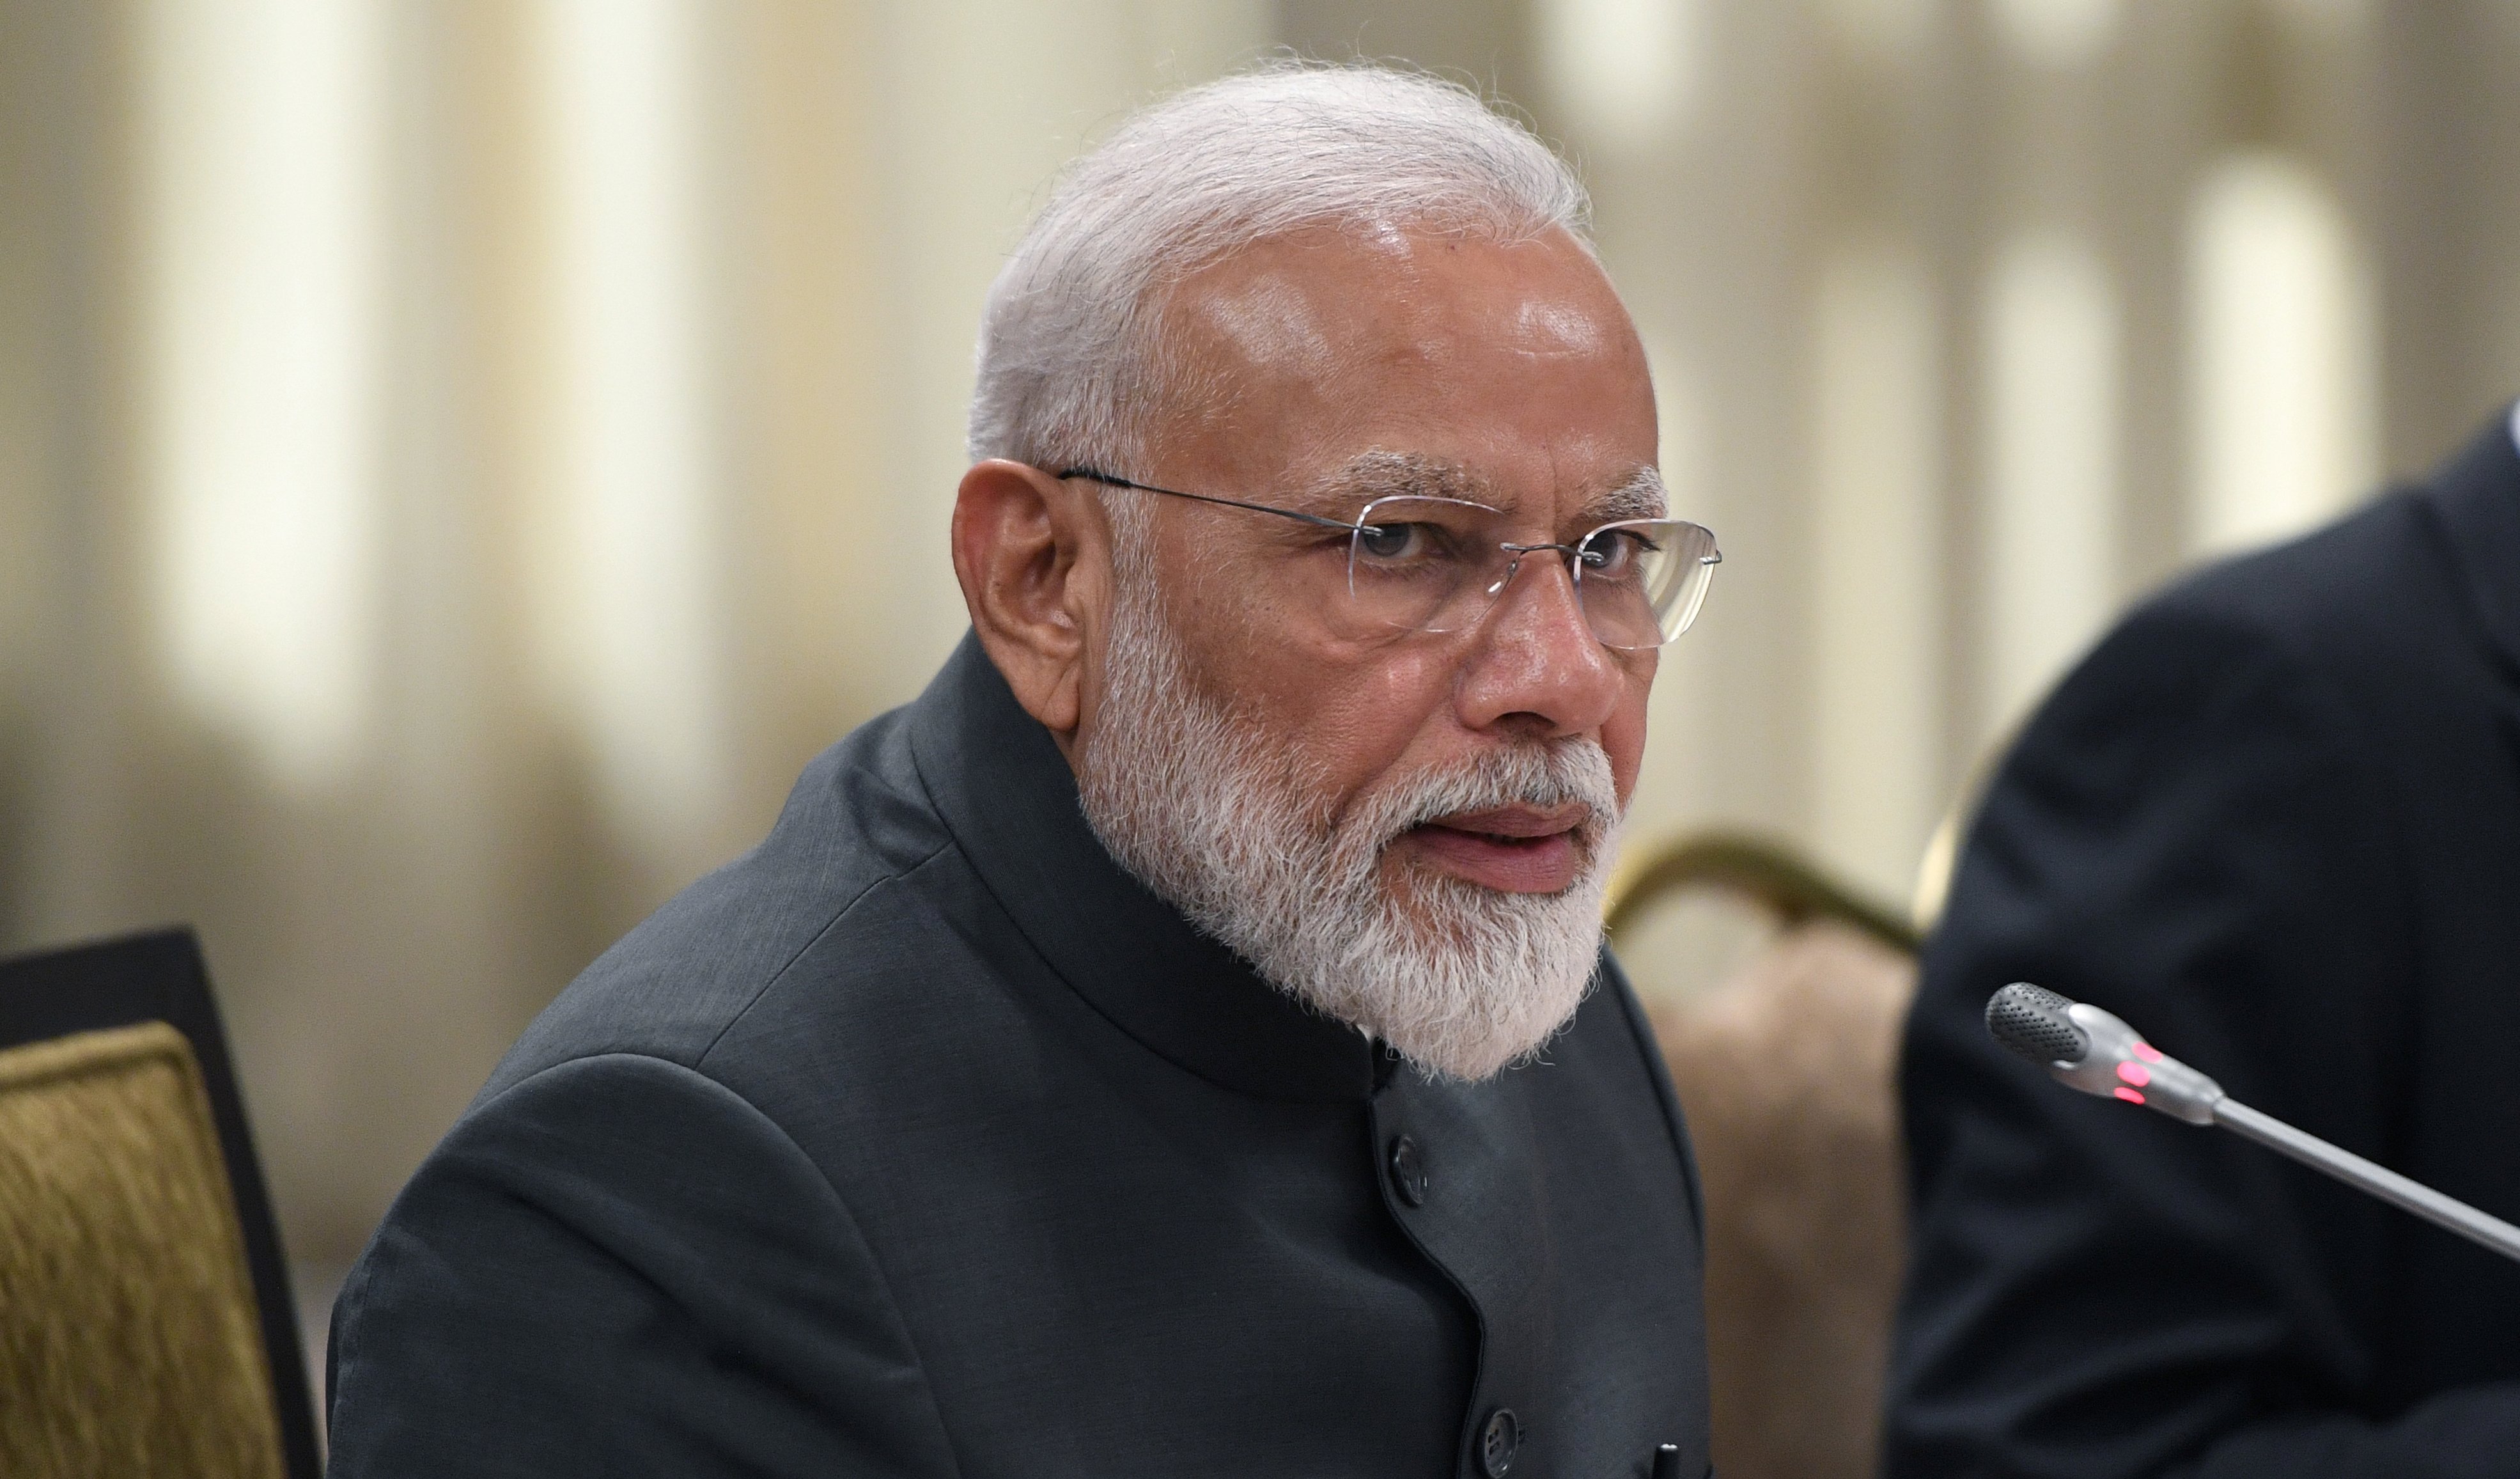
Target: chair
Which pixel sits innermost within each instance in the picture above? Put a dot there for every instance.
(1786, 1072)
(146, 1321)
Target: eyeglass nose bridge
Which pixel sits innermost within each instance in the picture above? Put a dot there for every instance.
(1573, 554)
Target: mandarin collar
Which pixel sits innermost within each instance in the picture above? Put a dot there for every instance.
(1009, 800)
(2477, 496)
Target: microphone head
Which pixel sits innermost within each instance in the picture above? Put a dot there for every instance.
(2037, 1024)
(2084, 1047)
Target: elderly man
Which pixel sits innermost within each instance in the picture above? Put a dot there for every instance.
(1180, 1042)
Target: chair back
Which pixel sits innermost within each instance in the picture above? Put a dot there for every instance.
(1786, 1073)
(146, 1326)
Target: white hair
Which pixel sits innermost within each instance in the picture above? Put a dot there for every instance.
(1070, 352)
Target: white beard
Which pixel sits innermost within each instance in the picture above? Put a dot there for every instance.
(1234, 828)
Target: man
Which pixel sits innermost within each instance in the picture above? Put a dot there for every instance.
(1180, 1042)
(2274, 821)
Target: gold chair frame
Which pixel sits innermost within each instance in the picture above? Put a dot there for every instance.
(1768, 873)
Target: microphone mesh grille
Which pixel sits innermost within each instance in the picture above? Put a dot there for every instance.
(2031, 1021)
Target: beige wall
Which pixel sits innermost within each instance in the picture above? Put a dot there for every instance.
(457, 460)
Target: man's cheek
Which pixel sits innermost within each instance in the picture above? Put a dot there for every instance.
(1623, 739)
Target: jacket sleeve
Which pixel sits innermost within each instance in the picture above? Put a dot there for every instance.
(2192, 834)
(620, 1266)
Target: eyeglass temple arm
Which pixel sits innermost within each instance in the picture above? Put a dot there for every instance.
(1091, 476)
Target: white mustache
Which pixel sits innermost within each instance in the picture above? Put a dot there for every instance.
(1533, 775)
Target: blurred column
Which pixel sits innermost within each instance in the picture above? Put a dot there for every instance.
(2447, 239)
(1879, 456)
(2070, 190)
(2049, 547)
(807, 378)
(2049, 364)
(260, 145)
(631, 548)
(2282, 358)
(1877, 564)
(2281, 355)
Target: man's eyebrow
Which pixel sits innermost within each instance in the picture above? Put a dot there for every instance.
(1369, 476)
(1641, 496)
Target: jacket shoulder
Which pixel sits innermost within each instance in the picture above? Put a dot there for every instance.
(857, 820)
(617, 1265)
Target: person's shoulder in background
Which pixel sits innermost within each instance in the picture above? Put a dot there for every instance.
(2385, 597)
(2220, 826)
(2338, 600)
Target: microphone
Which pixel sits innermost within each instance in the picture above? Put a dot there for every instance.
(2083, 1048)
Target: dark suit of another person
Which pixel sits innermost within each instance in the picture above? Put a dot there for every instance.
(2274, 821)
(924, 1142)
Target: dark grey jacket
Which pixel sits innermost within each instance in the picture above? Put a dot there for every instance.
(2273, 822)
(923, 1141)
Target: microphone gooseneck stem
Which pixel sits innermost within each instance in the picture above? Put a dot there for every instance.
(2379, 1181)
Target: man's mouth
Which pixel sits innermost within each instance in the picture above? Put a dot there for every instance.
(1514, 850)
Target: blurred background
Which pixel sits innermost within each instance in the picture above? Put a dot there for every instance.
(459, 460)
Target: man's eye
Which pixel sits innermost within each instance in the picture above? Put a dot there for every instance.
(1395, 541)
(1612, 553)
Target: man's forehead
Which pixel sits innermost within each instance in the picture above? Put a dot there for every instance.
(1631, 492)
(1296, 302)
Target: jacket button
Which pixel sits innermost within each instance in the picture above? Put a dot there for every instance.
(1408, 1171)
(1498, 1442)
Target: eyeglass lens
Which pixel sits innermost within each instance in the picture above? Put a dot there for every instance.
(1438, 564)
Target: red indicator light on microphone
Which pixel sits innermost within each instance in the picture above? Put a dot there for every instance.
(2136, 1074)
(2130, 1095)
(2146, 1052)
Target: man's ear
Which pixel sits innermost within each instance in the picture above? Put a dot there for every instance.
(1033, 555)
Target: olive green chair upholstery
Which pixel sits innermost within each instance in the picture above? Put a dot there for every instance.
(146, 1327)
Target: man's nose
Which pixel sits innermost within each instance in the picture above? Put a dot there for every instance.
(1537, 656)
